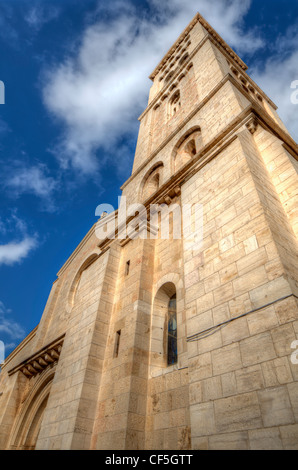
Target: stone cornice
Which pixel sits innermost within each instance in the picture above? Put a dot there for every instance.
(197, 108)
(20, 346)
(273, 127)
(248, 79)
(250, 117)
(222, 43)
(210, 151)
(40, 360)
(199, 18)
(178, 128)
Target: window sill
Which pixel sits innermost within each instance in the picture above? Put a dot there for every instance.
(166, 370)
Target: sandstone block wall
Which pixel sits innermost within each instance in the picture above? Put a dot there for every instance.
(107, 385)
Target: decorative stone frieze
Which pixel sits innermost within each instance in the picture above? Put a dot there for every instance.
(41, 360)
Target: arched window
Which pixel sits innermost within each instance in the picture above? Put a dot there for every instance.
(151, 185)
(172, 331)
(169, 76)
(174, 103)
(183, 58)
(152, 182)
(164, 338)
(186, 148)
(77, 280)
(190, 148)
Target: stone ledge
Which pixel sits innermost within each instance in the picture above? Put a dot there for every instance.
(39, 361)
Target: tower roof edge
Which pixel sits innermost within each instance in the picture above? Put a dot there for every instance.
(198, 18)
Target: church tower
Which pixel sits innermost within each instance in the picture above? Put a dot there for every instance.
(177, 342)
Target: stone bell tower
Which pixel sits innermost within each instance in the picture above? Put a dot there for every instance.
(161, 343)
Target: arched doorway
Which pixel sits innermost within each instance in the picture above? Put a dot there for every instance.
(26, 432)
(34, 429)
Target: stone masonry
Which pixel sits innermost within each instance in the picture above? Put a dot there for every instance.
(94, 373)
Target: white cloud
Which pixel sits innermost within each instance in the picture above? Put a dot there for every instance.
(277, 74)
(15, 250)
(31, 180)
(8, 32)
(99, 94)
(38, 15)
(35, 15)
(9, 328)
(225, 16)
(12, 224)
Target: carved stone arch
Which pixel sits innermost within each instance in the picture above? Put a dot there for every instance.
(169, 76)
(186, 148)
(171, 277)
(75, 282)
(26, 430)
(174, 103)
(159, 336)
(151, 181)
(183, 59)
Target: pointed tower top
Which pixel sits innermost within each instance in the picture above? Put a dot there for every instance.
(199, 18)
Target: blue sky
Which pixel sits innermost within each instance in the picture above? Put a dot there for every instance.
(76, 80)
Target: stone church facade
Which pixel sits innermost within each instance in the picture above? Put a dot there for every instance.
(149, 343)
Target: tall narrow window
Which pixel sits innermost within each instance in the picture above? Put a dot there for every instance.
(127, 266)
(117, 343)
(172, 331)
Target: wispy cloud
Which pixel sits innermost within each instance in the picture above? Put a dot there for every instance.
(8, 32)
(12, 224)
(15, 252)
(225, 16)
(99, 93)
(40, 14)
(35, 14)
(11, 331)
(284, 59)
(3, 126)
(35, 180)
(19, 243)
